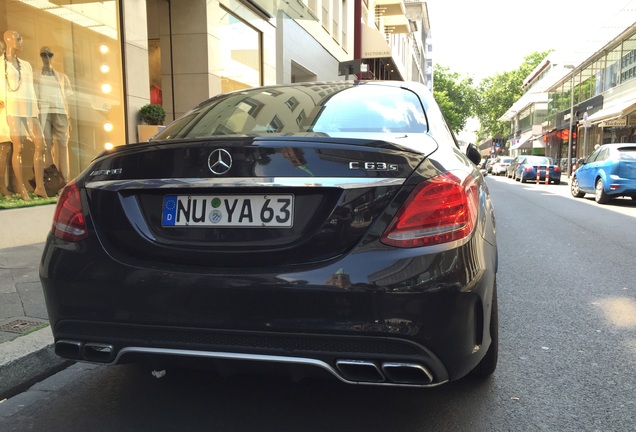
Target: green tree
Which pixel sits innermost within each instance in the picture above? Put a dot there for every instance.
(455, 96)
(496, 94)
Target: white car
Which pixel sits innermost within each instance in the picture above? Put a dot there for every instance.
(501, 164)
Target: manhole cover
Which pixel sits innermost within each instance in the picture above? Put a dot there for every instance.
(20, 326)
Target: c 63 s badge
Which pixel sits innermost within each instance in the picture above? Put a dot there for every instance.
(373, 166)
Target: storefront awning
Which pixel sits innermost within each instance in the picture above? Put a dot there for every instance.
(523, 141)
(538, 143)
(374, 44)
(613, 112)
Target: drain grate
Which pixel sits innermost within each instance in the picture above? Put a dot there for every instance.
(20, 326)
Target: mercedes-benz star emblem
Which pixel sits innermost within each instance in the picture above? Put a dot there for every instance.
(220, 161)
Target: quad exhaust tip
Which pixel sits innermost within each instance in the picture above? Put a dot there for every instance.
(89, 351)
(387, 372)
(407, 373)
(360, 371)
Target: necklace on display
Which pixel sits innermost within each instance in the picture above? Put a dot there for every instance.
(6, 73)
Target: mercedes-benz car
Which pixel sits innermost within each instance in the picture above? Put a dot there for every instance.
(319, 227)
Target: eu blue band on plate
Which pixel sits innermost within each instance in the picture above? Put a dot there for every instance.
(169, 210)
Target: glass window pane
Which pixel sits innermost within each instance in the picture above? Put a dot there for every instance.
(240, 54)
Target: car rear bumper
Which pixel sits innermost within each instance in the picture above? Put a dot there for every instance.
(532, 175)
(374, 311)
(621, 186)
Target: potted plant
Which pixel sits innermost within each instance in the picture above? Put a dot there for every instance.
(153, 116)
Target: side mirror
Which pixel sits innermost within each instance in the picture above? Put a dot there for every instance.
(473, 153)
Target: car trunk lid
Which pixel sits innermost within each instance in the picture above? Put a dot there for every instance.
(236, 202)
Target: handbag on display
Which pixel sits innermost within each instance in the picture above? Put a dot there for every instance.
(53, 180)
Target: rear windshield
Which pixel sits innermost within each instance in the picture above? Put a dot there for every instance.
(627, 153)
(538, 160)
(324, 109)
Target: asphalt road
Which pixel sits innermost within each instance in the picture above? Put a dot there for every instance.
(567, 302)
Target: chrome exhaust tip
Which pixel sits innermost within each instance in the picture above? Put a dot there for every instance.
(360, 371)
(98, 352)
(407, 373)
(69, 349)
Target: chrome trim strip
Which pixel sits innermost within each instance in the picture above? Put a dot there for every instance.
(257, 357)
(196, 183)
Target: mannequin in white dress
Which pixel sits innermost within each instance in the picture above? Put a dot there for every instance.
(5, 142)
(18, 98)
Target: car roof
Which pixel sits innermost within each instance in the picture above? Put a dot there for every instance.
(618, 145)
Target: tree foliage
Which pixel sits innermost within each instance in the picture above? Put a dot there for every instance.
(455, 96)
(496, 94)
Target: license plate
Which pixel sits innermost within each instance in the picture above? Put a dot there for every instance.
(228, 211)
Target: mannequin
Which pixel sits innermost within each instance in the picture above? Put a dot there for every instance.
(17, 97)
(5, 141)
(53, 89)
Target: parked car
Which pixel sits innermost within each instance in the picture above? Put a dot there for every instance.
(501, 164)
(314, 226)
(511, 170)
(528, 167)
(609, 172)
(482, 167)
(490, 163)
(563, 164)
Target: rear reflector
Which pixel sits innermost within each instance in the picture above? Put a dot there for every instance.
(68, 222)
(440, 210)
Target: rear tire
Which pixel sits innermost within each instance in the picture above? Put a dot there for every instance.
(599, 194)
(488, 364)
(575, 190)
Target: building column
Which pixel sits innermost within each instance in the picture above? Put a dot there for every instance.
(135, 61)
(187, 45)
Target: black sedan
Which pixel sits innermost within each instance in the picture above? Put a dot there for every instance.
(319, 227)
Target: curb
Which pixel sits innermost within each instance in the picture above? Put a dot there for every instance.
(27, 360)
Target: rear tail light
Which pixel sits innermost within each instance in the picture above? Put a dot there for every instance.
(69, 223)
(440, 210)
(557, 169)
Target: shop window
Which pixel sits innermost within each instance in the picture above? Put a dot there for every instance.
(71, 56)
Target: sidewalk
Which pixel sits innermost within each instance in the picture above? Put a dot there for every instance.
(26, 341)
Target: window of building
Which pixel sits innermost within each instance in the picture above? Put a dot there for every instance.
(628, 70)
(613, 69)
(70, 56)
(241, 54)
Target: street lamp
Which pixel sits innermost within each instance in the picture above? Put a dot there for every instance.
(569, 171)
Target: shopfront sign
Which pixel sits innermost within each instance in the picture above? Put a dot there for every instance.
(614, 123)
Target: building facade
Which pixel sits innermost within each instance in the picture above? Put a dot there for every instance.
(577, 100)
